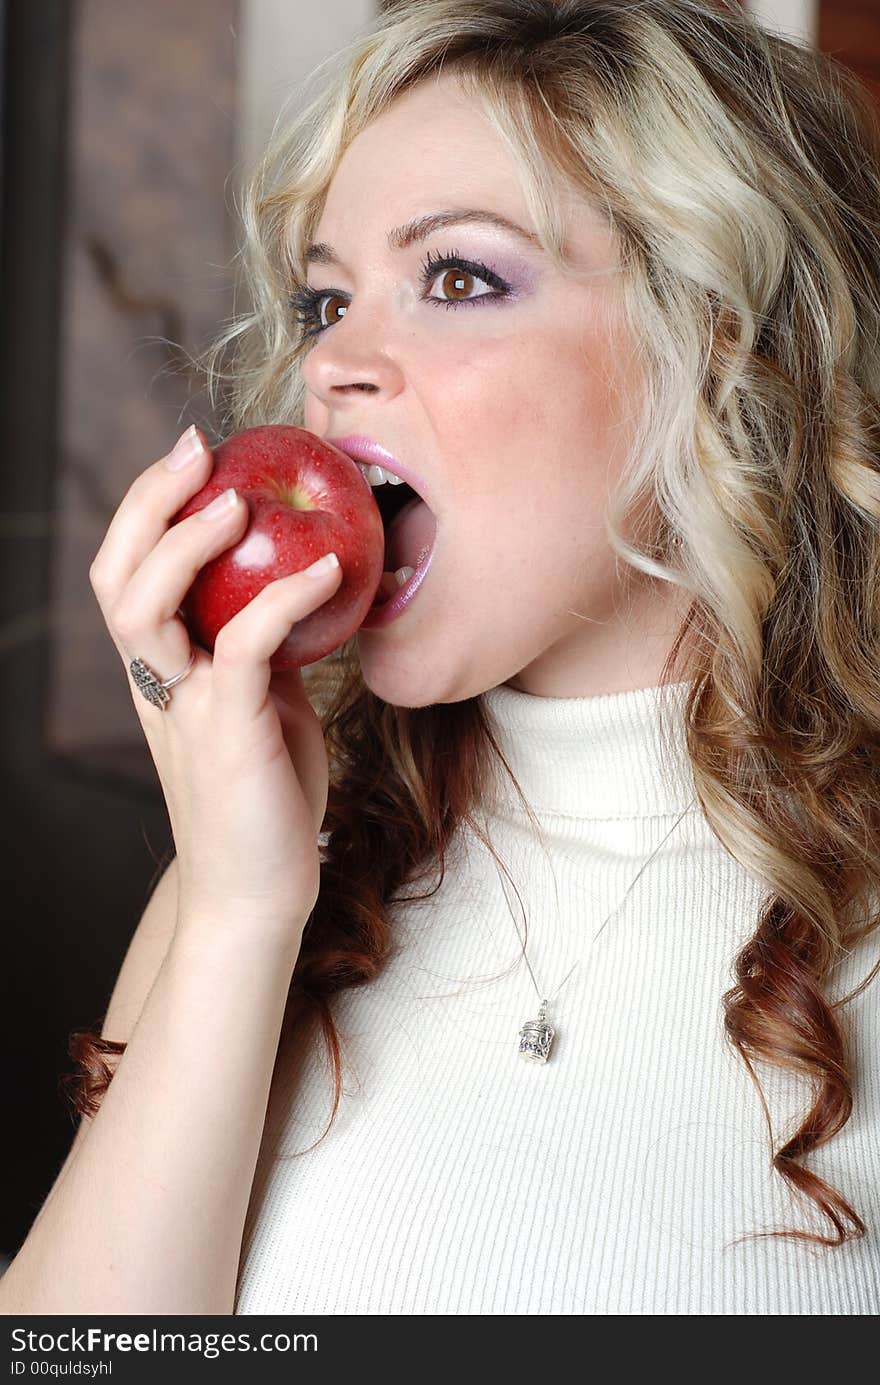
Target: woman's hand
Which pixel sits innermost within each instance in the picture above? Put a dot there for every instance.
(239, 750)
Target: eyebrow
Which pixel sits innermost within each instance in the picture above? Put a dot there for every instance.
(413, 232)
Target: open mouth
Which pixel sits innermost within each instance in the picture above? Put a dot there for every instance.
(410, 528)
(391, 500)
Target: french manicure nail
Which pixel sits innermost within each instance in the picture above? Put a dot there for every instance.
(220, 506)
(187, 448)
(322, 565)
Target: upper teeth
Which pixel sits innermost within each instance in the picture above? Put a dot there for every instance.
(378, 475)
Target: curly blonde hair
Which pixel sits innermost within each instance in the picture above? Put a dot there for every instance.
(741, 174)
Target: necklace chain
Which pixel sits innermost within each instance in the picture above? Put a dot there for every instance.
(536, 1036)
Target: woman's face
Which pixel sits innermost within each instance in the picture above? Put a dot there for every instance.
(513, 407)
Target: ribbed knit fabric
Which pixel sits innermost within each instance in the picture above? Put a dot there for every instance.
(457, 1178)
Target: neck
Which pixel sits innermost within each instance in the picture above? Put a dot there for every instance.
(611, 654)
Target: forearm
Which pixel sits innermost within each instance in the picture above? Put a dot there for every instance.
(149, 1216)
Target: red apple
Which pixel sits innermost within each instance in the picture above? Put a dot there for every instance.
(305, 498)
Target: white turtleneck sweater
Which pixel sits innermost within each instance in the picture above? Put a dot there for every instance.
(459, 1178)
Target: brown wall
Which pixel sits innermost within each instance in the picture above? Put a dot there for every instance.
(118, 136)
(850, 31)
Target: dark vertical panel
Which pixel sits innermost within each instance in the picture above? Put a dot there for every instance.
(2, 93)
(33, 176)
(34, 103)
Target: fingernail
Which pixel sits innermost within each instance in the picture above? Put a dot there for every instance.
(323, 565)
(187, 448)
(220, 506)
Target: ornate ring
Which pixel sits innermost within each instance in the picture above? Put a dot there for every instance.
(153, 688)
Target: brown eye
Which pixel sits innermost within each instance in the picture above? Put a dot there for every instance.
(456, 277)
(454, 281)
(457, 283)
(330, 310)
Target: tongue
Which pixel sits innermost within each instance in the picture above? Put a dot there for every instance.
(409, 536)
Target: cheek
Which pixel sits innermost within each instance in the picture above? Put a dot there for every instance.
(490, 382)
(529, 428)
(314, 414)
(517, 394)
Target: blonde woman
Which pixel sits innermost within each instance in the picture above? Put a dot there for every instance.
(519, 959)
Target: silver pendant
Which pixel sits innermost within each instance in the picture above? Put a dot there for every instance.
(536, 1037)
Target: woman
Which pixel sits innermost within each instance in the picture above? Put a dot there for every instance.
(651, 458)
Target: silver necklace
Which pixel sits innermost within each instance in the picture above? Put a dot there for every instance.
(536, 1036)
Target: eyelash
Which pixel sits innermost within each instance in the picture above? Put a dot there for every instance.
(306, 301)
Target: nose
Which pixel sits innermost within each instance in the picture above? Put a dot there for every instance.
(346, 361)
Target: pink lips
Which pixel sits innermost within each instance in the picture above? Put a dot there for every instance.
(363, 449)
(389, 610)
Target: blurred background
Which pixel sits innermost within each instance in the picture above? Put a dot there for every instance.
(127, 128)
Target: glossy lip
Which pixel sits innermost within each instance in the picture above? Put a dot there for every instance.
(399, 602)
(363, 449)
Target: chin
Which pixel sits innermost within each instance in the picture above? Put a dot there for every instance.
(388, 679)
(399, 686)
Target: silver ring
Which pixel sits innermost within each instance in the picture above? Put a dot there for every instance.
(153, 689)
